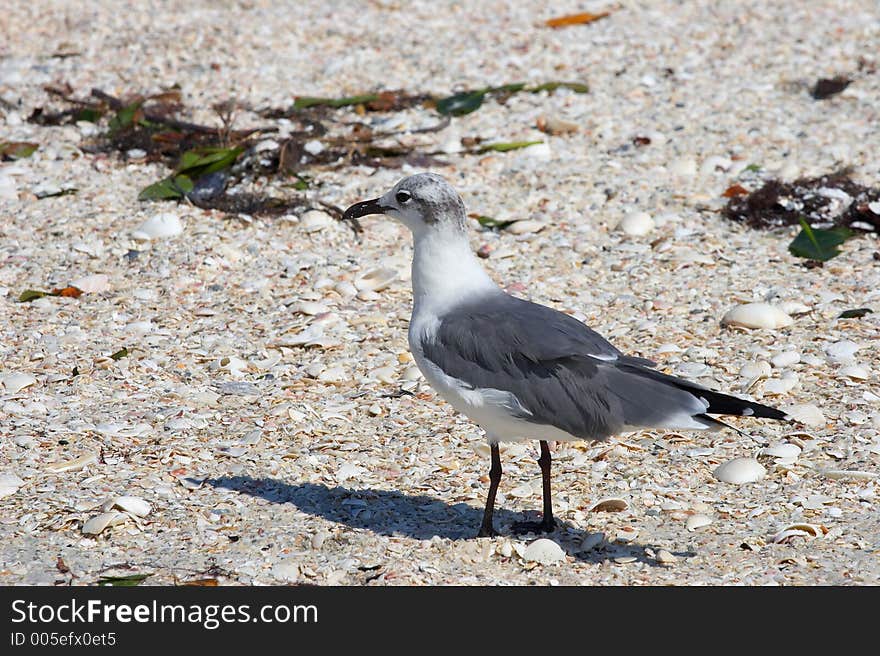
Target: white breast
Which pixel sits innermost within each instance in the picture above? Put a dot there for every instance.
(496, 411)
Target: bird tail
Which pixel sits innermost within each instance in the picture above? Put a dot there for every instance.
(724, 404)
(719, 403)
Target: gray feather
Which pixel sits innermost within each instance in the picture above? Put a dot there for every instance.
(562, 373)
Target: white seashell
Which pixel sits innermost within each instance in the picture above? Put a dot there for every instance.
(697, 521)
(412, 373)
(664, 557)
(335, 374)
(525, 227)
(345, 289)
(784, 451)
(313, 147)
(816, 502)
(376, 280)
(842, 352)
(540, 151)
(626, 534)
(270, 361)
(93, 284)
(794, 308)
(139, 328)
(692, 369)
(14, 383)
(9, 484)
(759, 369)
(318, 539)
(522, 491)
(505, 549)
(158, 226)
(310, 308)
(806, 413)
(683, 166)
(544, 551)
(133, 505)
(8, 188)
(756, 315)
(849, 475)
(286, 570)
(739, 471)
(785, 359)
(637, 224)
(592, 541)
(73, 465)
(349, 470)
(315, 221)
(808, 531)
(779, 386)
(234, 365)
(854, 371)
(384, 374)
(481, 449)
(855, 417)
(611, 504)
(96, 524)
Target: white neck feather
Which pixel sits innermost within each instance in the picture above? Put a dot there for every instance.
(445, 270)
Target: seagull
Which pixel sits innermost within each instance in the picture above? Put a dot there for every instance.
(518, 369)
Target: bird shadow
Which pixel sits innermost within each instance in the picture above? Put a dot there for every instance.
(392, 513)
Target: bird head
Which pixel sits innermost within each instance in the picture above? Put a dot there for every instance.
(421, 202)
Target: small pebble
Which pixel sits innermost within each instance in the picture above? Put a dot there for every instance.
(684, 167)
(665, 558)
(637, 224)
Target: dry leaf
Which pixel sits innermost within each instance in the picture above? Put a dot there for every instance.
(205, 583)
(575, 19)
(735, 190)
(69, 291)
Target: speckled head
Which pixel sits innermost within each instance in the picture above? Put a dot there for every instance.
(421, 202)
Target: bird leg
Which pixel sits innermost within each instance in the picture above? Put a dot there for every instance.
(487, 529)
(548, 524)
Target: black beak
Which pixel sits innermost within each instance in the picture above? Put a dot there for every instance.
(364, 208)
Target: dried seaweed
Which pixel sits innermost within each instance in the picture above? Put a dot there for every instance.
(825, 201)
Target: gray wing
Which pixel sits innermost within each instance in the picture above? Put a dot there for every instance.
(535, 331)
(561, 372)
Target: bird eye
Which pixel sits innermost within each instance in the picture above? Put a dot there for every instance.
(403, 197)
